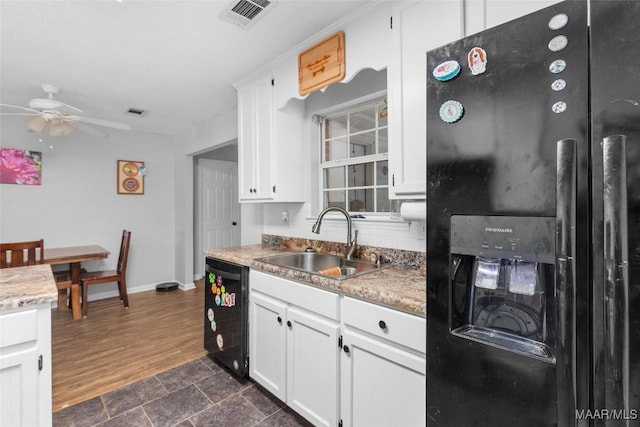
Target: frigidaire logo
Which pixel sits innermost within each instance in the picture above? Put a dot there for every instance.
(498, 230)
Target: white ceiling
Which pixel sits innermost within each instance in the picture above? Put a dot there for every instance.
(174, 58)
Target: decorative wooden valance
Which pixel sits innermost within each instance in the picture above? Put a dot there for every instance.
(322, 64)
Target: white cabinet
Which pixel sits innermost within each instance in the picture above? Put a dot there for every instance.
(293, 349)
(25, 366)
(417, 28)
(383, 366)
(270, 148)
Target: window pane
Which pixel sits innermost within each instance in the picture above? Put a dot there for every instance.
(363, 120)
(383, 140)
(361, 200)
(363, 144)
(334, 198)
(335, 127)
(333, 178)
(383, 200)
(335, 149)
(382, 173)
(360, 175)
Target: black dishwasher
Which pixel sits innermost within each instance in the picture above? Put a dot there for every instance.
(226, 297)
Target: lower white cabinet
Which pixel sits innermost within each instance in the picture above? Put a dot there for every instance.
(336, 360)
(25, 366)
(293, 349)
(383, 367)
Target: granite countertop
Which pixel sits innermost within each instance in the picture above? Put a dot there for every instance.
(26, 286)
(398, 287)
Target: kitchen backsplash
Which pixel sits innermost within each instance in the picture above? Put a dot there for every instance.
(397, 256)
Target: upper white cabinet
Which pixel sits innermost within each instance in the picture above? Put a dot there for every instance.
(483, 14)
(417, 28)
(270, 145)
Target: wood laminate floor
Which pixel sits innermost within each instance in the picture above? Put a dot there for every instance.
(113, 347)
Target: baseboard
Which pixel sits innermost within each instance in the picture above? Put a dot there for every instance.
(134, 290)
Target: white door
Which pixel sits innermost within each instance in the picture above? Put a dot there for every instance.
(220, 208)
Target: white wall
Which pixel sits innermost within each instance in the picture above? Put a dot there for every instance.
(77, 203)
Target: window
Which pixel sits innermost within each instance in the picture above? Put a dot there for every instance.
(354, 165)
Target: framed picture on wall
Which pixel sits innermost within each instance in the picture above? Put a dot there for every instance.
(130, 177)
(20, 166)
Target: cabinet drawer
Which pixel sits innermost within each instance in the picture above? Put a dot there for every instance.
(393, 325)
(18, 327)
(313, 299)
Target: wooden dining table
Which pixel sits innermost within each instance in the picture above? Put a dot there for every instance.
(74, 256)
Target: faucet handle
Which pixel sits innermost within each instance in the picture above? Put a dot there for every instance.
(355, 237)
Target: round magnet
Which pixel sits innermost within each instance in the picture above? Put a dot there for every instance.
(210, 314)
(558, 85)
(558, 21)
(559, 107)
(558, 43)
(477, 58)
(557, 66)
(214, 326)
(219, 341)
(446, 70)
(451, 111)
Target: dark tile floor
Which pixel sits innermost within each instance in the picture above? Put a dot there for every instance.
(198, 393)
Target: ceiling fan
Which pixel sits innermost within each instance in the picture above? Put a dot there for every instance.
(57, 118)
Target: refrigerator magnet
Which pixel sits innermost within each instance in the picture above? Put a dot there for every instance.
(220, 341)
(559, 107)
(451, 111)
(446, 70)
(557, 66)
(477, 58)
(558, 21)
(558, 43)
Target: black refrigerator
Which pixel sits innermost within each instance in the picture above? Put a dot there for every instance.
(533, 221)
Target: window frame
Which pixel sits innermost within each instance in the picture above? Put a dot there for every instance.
(354, 106)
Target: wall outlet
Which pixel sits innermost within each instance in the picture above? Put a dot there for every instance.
(284, 216)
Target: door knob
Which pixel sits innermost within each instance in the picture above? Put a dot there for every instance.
(234, 223)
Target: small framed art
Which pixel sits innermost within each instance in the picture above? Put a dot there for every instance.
(130, 177)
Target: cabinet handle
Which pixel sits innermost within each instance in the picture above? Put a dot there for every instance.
(279, 320)
(382, 324)
(346, 349)
(289, 323)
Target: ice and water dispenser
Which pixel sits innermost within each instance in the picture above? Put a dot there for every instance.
(502, 282)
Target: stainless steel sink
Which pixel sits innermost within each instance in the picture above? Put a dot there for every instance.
(323, 264)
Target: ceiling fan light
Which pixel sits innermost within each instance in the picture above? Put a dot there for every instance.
(36, 124)
(60, 128)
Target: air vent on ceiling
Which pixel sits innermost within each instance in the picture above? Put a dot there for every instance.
(245, 13)
(136, 112)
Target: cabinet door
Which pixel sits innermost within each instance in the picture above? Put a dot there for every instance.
(381, 385)
(255, 134)
(267, 349)
(263, 138)
(25, 388)
(312, 360)
(417, 28)
(246, 152)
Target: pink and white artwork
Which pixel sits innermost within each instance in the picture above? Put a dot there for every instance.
(20, 166)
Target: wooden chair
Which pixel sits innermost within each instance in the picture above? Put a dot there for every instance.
(119, 275)
(13, 254)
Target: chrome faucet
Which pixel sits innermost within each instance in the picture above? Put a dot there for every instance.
(351, 243)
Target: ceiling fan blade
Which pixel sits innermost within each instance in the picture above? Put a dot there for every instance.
(20, 114)
(89, 130)
(30, 110)
(106, 123)
(52, 104)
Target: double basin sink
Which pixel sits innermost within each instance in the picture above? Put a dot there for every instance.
(327, 265)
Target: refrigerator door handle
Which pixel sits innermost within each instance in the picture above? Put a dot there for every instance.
(616, 271)
(566, 199)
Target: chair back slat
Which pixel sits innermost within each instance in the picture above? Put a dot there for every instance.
(124, 251)
(13, 254)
